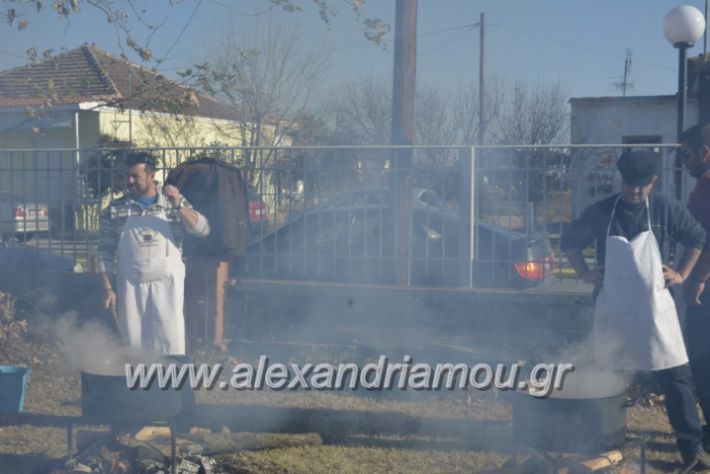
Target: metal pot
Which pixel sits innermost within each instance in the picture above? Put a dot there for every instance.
(575, 420)
(106, 398)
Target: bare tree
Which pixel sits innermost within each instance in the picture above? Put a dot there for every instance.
(465, 110)
(533, 114)
(361, 111)
(132, 19)
(268, 84)
(172, 131)
(434, 123)
(360, 114)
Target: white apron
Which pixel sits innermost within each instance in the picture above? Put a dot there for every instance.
(635, 320)
(150, 280)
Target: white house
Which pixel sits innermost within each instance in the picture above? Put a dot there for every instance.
(600, 121)
(652, 120)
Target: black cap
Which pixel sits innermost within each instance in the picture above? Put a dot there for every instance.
(638, 167)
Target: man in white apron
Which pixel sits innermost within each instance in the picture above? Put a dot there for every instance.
(142, 231)
(636, 324)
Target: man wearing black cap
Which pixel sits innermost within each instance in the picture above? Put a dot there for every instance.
(635, 318)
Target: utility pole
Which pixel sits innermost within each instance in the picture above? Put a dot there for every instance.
(130, 111)
(481, 64)
(403, 89)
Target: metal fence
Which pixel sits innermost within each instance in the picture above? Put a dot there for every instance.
(478, 216)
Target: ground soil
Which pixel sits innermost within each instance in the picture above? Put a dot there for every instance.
(308, 431)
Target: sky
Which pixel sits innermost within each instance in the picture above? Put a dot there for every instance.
(579, 44)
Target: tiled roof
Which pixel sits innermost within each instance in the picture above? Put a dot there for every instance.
(89, 74)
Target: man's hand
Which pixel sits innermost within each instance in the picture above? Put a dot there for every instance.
(671, 276)
(692, 291)
(172, 193)
(109, 299)
(593, 277)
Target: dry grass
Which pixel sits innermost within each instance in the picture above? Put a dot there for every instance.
(412, 432)
(450, 433)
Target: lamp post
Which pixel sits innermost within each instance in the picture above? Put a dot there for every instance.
(683, 26)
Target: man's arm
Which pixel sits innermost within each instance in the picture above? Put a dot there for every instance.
(109, 292)
(692, 236)
(687, 262)
(578, 235)
(701, 271)
(108, 241)
(695, 283)
(576, 259)
(195, 223)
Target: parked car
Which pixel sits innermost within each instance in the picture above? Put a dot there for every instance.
(343, 239)
(258, 216)
(257, 207)
(22, 218)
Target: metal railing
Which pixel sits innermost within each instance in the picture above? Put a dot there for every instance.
(479, 216)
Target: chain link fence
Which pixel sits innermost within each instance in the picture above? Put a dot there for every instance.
(478, 216)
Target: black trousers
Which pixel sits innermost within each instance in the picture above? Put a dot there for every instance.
(697, 342)
(677, 386)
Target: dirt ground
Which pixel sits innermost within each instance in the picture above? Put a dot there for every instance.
(307, 431)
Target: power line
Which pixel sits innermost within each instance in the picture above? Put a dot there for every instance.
(184, 28)
(444, 43)
(577, 46)
(467, 28)
(453, 28)
(263, 12)
(8, 53)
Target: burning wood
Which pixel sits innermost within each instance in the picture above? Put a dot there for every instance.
(563, 464)
(126, 455)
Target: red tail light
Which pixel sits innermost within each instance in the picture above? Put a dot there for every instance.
(19, 212)
(531, 271)
(257, 210)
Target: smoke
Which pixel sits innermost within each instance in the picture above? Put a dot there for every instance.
(594, 376)
(92, 347)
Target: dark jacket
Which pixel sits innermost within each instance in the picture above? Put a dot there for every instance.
(671, 224)
(217, 190)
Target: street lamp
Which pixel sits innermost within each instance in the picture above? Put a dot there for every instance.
(683, 26)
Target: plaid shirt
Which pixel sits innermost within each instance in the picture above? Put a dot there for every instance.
(114, 216)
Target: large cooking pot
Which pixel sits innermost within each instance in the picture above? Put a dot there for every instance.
(583, 417)
(106, 398)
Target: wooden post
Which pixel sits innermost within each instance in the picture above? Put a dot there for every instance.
(403, 92)
(205, 282)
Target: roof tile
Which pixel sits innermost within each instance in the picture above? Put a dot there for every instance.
(89, 74)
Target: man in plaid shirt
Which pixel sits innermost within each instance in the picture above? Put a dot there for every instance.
(140, 262)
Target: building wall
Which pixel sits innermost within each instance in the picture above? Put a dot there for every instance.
(612, 121)
(38, 161)
(38, 157)
(608, 121)
(150, 129)
(179, 134)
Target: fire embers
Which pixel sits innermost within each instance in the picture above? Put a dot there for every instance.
(127, 455)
